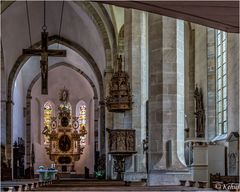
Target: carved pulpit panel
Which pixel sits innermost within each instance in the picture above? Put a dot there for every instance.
(122, 141)
(121, 144)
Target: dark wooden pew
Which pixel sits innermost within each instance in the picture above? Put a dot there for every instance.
(22, 185)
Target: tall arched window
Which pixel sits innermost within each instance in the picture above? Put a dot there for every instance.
(83, 123)
(221, 82)
(47, 114)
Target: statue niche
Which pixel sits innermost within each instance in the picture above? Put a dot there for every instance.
(122, 141)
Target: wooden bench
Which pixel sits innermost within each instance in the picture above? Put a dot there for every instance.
(182, 182)
(7, 188)
(202, 184)
(135, 183)
(192, 183)
(19, 185)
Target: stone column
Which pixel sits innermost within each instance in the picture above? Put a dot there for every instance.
(102, 127)
(155, 91)
(189, 79)
(3, 116)
(233, 82)
(28, 132)
(108, 122)
(233, 89)
(135, 29)
(166, 105)
(9, 142)
(211, 84)
(96, 122)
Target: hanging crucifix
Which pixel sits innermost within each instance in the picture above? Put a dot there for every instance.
(44, 53)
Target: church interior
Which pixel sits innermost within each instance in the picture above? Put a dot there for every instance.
(130, 95)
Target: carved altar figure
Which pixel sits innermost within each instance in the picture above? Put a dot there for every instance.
(64, 94)
(199, 113)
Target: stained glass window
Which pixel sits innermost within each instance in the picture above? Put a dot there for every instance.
(48, 113)
(221, 82)
(83, 123)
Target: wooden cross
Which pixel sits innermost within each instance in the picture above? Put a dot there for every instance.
(44, 53)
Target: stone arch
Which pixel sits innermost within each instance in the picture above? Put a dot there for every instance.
(104, 25)
(13, 75)
(110, 47)
(66, 65)
(55, 39)
(28, 102)
(90, 9)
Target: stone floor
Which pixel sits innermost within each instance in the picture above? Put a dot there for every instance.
(94, 185)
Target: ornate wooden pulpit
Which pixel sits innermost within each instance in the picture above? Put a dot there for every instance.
(121, 145)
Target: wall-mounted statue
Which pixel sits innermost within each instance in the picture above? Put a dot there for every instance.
(64, 95)
(199, 113)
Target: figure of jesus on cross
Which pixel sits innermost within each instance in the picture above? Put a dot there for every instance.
(44, 53)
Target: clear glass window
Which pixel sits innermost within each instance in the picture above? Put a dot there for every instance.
(221, 82)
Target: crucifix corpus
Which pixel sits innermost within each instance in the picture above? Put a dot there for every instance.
(44, 53)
